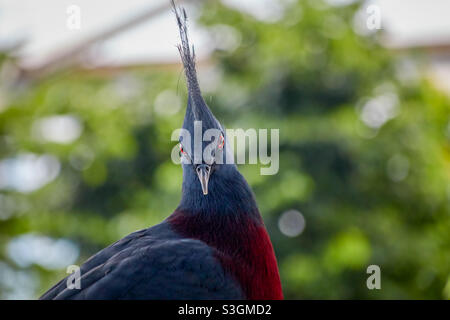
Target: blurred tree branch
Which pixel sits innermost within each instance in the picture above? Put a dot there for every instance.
(70, 56)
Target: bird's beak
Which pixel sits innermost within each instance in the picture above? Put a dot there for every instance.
(203, 172)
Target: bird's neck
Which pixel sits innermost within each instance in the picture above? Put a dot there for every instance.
(228, 194)
(228, 220)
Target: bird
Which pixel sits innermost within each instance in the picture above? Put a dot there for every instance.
(213, 246)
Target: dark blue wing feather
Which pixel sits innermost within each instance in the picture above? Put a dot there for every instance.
(154, 263)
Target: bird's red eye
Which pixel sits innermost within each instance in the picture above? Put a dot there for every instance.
(181, 149)
(221, 142)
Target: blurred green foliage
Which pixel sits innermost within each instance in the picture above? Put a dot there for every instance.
(364, 155)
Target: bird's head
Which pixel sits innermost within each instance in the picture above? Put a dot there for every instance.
(203, 147)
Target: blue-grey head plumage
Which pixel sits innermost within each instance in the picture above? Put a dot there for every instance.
(197, 109)
(198, 115)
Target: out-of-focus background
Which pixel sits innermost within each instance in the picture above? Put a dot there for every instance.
(90, 92)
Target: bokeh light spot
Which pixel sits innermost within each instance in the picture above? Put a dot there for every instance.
(291, 223)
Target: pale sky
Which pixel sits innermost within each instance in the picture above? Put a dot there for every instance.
(43, 25)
